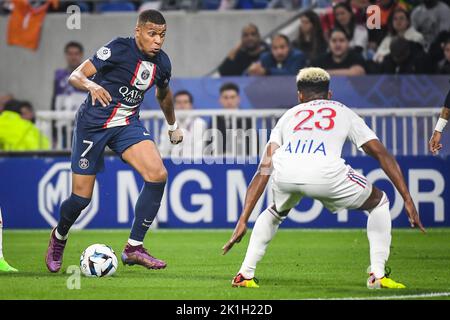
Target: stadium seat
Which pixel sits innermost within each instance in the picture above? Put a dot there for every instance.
(252, 4)
(84, 6)
(210, 4)
(115, 7)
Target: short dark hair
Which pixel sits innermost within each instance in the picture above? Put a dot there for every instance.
(184, 93)
(229, 86)
(13, 105)
(153, 16)
(314, 88)
(337, 29)
(73, 44)
(282, 36)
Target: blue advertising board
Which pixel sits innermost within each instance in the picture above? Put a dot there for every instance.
(202, 195)
(373, 91)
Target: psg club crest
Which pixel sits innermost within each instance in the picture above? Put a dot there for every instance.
(144, 76)
(83, 163)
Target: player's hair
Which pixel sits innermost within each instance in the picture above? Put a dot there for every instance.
(73, 44)
(313, 81)
(184, 93)
(229, 86)
(153, 16)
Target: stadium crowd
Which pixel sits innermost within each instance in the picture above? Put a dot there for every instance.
(411, 40)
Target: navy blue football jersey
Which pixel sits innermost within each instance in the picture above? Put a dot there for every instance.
(126, 73)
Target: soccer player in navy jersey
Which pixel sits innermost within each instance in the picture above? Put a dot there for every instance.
(116, 78)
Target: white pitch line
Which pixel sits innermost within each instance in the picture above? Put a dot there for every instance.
(394, 297)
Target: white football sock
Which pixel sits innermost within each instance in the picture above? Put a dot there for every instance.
(1, 234)
(379, 235)
(134, 243)
(60, 237)
(263, 231)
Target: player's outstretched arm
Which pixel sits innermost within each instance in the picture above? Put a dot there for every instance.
(79, 79)
(435, 141)
(254, 192)
(165, 99)
(390, 166)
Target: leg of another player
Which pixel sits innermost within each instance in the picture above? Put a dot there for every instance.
(145, 158)
(263, 232)
(379, 235)
(4, 266)
(70, 210)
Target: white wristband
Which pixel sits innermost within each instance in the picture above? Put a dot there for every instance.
(172, 127)
(440, 125)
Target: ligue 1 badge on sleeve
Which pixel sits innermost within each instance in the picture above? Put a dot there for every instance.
(104, 53)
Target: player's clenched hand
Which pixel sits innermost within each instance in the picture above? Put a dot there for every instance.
(238, 234)
(413, 215)
(434, 144)
(99, 93)
(176, 136)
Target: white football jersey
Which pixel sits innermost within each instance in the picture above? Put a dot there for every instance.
(311, 136)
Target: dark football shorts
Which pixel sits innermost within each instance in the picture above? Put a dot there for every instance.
(89, 145)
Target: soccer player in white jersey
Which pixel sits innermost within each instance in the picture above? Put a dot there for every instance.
(303, 156)
(435, 141)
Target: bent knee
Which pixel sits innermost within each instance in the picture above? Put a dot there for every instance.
(155, 175)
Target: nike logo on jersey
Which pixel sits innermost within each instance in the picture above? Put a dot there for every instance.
(146, 134)
(306, 146)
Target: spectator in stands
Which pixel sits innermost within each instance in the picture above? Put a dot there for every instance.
(444, 64)
(310, 38)
(399, 24)
(282, 60)
(230, 100)
(66, 97)
(345, 20)
(405, 57)
(18, 134)
(193, 130)
(431, 18)
(435, 53)
(248, 51)
(27, 111)
(341, 60)
(4, 98)
(24, 108)
(359, 10)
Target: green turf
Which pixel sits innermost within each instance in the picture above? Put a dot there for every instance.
(298, 264)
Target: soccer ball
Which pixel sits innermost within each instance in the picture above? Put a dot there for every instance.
(98, 260)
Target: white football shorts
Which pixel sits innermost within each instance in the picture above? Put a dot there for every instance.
(349, 191)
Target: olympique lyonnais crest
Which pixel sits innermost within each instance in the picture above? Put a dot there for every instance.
(144, 75)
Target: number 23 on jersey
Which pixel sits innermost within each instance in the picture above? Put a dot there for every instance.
(325, 119)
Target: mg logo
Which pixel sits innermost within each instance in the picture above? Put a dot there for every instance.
(54, 188)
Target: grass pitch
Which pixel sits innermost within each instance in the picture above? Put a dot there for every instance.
(299, 264)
